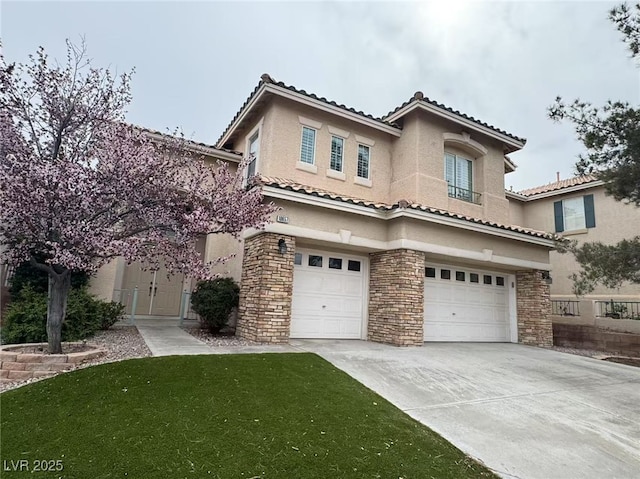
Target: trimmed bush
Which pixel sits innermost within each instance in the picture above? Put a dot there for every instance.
(26, 317)
(213, 301)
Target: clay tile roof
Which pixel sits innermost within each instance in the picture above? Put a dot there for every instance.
(191, 142)
(559, 185)
(266, 78)
(297, 187)
(419, 97)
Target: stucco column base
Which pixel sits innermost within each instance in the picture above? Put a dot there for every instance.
(266, 288)
(534, 309)
(396, 297)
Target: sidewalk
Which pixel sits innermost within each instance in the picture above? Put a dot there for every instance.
(164, 337)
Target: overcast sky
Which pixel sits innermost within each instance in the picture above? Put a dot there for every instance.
(501, 62)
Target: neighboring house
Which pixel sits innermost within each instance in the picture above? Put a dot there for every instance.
(393, 229)
(578, 209)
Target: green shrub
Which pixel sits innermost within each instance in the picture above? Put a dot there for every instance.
(26, 317)
(214, 300)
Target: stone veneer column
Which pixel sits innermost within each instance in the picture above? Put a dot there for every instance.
(396, 297)
(266, 287)
(534, 309)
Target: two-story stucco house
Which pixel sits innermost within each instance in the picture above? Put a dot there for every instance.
(394, 229)
(578, 209)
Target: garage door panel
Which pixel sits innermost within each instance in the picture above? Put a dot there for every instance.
(327, 302)
(457, 309)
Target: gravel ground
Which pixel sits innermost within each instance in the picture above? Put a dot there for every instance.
(214, 341)
(590, 353)
(122, 342)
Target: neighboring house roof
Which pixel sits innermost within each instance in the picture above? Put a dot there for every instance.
(418, 100)
(267, 82)
(285, 184)
(561, 186)
(194, 145)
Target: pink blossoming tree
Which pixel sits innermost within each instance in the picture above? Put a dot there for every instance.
(80, 187)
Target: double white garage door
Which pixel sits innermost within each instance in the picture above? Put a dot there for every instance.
(329, 297)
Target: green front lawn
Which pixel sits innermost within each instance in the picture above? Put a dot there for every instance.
(281, 416)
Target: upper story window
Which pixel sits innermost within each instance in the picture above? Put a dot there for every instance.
(337, 149)
(254, 151)
(364, 155)
(458, 172)
(308, 149)
(574, 214)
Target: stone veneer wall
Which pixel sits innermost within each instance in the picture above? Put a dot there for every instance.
(266, 289)
(534, 309)
(15, 364)
(396, 297)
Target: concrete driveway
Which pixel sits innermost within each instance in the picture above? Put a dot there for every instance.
(525, 412)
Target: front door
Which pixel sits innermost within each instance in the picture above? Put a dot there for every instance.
(159, 294)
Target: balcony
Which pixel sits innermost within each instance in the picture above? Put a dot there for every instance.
(464, 195)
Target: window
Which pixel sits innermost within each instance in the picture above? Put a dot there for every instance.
(499, 281)
(460, 276)
(335, 263)
(308, 149)
(297, 259)
(363, 161)
(574, 214)
(254, 151)
(445, 274)
(353, 265)
(486, 279)
(473, 277)
(430, 272)
(458, 172)
(315, 261)
(337, 148)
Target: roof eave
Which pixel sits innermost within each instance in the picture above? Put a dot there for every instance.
(562, 191)
(512, 143)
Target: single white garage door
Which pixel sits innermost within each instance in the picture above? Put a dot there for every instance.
(328, 295)
(465, 305)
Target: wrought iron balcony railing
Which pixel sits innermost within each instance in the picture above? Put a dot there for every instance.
(464, 195)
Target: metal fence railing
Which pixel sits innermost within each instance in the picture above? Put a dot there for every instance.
(618, 309)
(464, 195)
(565, 308)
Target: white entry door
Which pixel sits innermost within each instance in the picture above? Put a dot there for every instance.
(328, 295)
(464, 304)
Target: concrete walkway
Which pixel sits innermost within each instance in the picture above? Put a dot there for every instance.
(164, 337)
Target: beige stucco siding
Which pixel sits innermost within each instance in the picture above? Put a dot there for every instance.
(516, 213)
(281, 136)
(614, 221)
(451, 237)
(418, 168)
(350, 230)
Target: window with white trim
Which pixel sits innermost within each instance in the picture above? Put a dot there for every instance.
(364, 155)
(308, 148)
(254, 151)
(458, 172)
(337, 151)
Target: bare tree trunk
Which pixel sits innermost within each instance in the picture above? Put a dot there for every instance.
(59, 287)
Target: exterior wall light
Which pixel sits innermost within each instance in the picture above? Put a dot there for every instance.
(547, 277)
(282, 246)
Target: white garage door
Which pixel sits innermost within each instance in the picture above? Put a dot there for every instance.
(328, 295)
(465, 305)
